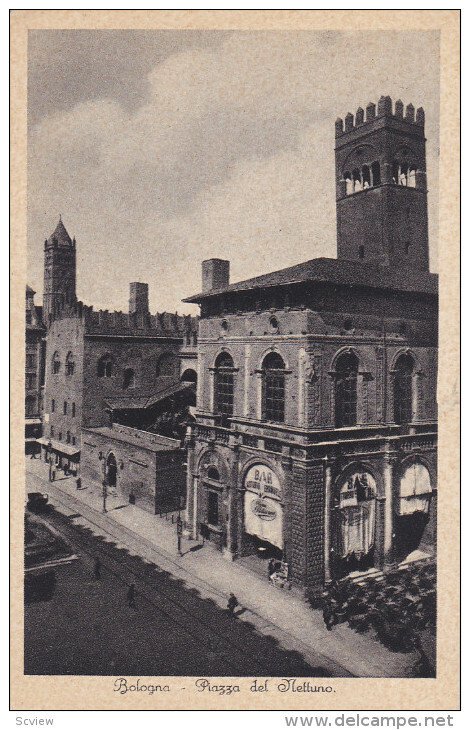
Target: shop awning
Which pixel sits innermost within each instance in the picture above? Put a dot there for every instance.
(66, 449)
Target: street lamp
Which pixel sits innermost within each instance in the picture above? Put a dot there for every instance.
(104, 483)
(105, 495)
(49, 458)
(179, 527)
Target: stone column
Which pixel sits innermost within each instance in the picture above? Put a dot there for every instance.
(417, 409)
(211, 390)
(200, 380)
(230, 549)
(301, 384)
(388, 509)
(327, 523)
(246, 395)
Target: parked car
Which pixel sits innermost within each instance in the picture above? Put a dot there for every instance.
(37, 501)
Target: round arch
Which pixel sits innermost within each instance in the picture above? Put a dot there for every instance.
(411, 353)
(269, 351)
(361, 154)
(362, 359)
(350, 468)
(189, 375)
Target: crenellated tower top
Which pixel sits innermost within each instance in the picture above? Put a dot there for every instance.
(375, 113)
(381, 185)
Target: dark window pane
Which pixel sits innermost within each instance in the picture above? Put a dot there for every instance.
(212, 508)
(224, 385)
(274, 388)
(346, 391)
(403, 389)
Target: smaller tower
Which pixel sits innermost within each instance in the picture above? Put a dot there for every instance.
(138, 298)
(59, 272)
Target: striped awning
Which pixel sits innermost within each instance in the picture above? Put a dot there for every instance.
(58, 446)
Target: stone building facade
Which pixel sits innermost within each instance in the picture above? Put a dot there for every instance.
(34, 371)
(101, 364)
(138, 466)
(316, 425)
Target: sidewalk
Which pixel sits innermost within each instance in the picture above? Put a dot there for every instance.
(274, 612)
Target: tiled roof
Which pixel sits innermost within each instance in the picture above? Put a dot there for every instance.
(152, 444)
(146, 399)
(336, 271)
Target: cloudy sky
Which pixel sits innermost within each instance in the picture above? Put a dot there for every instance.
(163, 148)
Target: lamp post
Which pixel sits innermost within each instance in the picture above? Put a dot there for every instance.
(105, 495)
(104, 482)
(179, 527)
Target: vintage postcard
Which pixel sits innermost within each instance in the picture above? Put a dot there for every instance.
(237, 234)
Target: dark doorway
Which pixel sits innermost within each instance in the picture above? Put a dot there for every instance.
(410, 533)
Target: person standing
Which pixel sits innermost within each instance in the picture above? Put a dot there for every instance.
(232, 603)
(131, 596)
(97, 569)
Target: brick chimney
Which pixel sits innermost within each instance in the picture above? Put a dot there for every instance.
(215, 274)
(138, 298)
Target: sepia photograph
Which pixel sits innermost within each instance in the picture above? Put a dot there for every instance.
(232, 249)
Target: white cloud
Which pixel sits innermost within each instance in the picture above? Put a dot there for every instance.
(230, 155)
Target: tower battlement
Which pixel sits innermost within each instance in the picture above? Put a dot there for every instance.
(124, 324)
(381, 185)
(380, 111)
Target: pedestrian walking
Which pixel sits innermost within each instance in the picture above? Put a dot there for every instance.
(329, 612)
(271, 567)
(53, 475)
(97, 570)
(79, 483)
(131, 596)
(232, 603)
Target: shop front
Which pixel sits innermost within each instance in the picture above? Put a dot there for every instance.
(413, 528)
(354, 524)
(263, 514)
(60, 457)
(213, 507)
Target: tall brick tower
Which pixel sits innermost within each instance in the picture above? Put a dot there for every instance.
(381, 193)
(59, 271)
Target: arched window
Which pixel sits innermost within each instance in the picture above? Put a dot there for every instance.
(129, 379)
(189, 376)
(105, 367)
(213, 473)
(404, 173)
(346, 390)
(224, 385)
(357, 516)
(411, 180)
(415, 490)
(375, 173)
(55, 363)
(274, 386)
(69, 364)
(403, 389)
(366, 179)
(357, 182)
